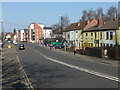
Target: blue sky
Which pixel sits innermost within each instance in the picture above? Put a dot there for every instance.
(20, 14)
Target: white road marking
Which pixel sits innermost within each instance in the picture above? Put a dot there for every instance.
(80, 68)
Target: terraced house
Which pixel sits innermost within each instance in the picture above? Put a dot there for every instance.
(72, 33)
(102, 34)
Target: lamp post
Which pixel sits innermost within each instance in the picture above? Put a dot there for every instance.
(2, 29)
(64, 39)
(61, 22)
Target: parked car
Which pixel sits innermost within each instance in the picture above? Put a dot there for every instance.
(58, 46)
(21, 47)
(15, 42)
(10, 41)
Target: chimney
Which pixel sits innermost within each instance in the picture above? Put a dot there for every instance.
(88, 22)
(100, 22)
(78, 24)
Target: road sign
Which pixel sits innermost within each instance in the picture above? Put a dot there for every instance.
(96, 41)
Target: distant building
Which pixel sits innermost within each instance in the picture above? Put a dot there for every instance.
(8, 35)
(21, 35)
(47, 32)
(35, 32)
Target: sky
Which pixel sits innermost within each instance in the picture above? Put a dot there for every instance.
(20, 14)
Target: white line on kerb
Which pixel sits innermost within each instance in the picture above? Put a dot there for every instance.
(80, 68)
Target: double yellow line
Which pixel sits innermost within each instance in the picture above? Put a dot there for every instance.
(28, 83)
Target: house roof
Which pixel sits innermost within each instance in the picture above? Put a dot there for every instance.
(109, 25)
(58, 31)
(47, 28)
(76, 26)
(112, 24)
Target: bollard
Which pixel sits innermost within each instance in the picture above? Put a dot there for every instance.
(74, 52)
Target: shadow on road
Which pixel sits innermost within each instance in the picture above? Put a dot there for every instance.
(17, 86)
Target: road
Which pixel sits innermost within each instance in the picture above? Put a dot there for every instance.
(47, 68)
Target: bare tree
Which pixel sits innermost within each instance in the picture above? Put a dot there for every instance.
(88, 15)
(106, 17)
(55, 27)
(62, 24)
(85, 15)
(99, 13)
(91, 14)
(112, 12)
(95, 15)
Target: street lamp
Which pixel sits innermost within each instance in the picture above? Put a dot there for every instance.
(64, 39)
(61, 22)
(2, 29)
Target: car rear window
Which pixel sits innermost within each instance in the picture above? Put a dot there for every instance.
(21, 45)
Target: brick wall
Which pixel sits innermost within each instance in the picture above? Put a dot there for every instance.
(113, 52)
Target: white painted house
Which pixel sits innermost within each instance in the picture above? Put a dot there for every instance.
(47, 32)
(74, 37)
(23, 35)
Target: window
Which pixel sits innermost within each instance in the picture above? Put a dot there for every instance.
(36, 29)
(101, 44)
(68, 36)
(91, 44)
(107, 35)
(95, 35)
(104, 44)
(91, 35)
(107, 45)
(86, 35)
(111, 35)
(100, 35)
(111, 45)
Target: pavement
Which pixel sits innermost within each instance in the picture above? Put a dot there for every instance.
(12, 75)
(110, 62)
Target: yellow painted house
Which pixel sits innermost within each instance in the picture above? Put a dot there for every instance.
(80, 35)
(82, 39)
(102, 34)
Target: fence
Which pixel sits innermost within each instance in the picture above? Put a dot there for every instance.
(112, 52)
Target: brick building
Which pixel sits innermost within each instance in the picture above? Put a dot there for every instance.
(35, 33)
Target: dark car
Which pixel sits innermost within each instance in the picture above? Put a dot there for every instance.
(58, 46)
(21, 47)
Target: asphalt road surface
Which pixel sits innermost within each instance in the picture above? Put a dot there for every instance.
(47, 68)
